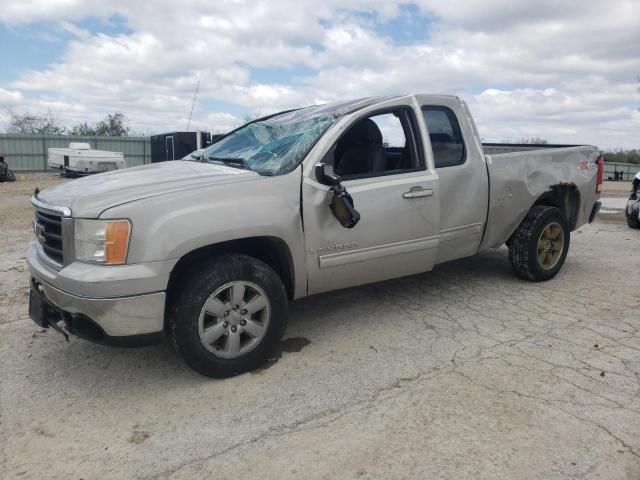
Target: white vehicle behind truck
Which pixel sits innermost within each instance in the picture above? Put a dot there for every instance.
(79, 159)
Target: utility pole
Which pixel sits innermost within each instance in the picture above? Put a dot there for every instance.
(193, 104)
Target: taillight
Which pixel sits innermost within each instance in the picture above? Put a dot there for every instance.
(600, 177)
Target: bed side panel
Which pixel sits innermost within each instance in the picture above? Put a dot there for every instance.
(518, 179)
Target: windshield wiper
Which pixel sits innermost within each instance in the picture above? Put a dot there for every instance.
(232, 162)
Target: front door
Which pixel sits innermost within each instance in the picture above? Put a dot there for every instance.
(379, 158)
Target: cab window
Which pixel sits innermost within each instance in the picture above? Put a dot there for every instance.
(445, 136)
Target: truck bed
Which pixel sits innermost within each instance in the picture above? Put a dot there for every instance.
(520, 174)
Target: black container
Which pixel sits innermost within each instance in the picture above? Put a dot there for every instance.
(176, 145)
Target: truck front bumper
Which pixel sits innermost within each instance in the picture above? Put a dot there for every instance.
(99, 309)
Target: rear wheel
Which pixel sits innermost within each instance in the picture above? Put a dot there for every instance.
(230, 315)
(539, 247)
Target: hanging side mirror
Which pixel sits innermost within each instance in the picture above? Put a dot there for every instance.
(343, 208)
(341, 202)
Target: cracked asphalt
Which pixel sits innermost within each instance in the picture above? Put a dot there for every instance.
(464, 372)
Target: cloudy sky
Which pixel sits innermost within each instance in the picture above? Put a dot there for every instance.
(564, 71)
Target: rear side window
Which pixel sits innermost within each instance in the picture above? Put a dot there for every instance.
(445, 135)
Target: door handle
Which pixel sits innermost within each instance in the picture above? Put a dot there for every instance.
(417, 192)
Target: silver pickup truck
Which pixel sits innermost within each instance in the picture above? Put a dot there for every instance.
(211, 250)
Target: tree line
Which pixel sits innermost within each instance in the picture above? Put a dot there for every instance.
(623, 156)
(614, 156)
(113, 125)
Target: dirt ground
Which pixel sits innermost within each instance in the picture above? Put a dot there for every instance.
(464, 372)
(616, 189)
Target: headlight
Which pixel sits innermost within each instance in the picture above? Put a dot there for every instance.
(102, 241)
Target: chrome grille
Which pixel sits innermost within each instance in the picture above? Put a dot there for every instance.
(48, 229)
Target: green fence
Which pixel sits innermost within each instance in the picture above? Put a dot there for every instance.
(620, 171)
(29, 152)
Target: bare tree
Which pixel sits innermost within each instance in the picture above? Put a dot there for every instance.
(29, 124)
(249, 117)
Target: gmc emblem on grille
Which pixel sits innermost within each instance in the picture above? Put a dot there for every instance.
(39, 231)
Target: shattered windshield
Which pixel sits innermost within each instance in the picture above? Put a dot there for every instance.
(273, 146)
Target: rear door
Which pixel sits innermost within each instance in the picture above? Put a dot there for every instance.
(399, 206)
(461, 168)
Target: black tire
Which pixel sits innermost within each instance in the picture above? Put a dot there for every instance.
(523, 248)
(200, 282)
(11, 177)
(632, 220)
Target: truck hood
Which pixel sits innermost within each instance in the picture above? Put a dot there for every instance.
(89, 196)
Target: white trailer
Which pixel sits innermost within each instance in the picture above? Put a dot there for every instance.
(79, 159)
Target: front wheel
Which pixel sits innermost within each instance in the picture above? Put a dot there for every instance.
(230, 316)
(633, 220)
(539, 246)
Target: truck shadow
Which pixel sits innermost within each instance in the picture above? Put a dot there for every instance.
(492, 266)
(312, 320)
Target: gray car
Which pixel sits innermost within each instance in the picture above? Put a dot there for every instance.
(211, 251)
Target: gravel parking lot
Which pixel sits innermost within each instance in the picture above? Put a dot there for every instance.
(465, 372)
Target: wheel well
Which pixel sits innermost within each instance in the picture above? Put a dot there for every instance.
(566, 198)
(271, 250)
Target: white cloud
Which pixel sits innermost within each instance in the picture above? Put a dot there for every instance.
(556, 116)
(10, 97)
(565, 71)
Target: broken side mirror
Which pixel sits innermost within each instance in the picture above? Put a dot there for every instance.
(341, 202)
(326, 175)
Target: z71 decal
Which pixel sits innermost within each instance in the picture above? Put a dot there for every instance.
(588, 165)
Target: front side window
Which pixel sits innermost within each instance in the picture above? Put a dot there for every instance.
(393, 135)
(380, 144)
(273, 146)
(445, 136)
